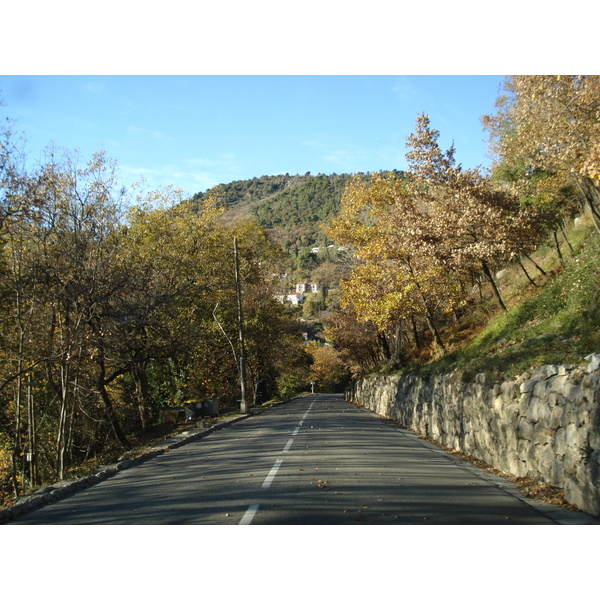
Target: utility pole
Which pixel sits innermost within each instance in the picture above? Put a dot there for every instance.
(243, 403)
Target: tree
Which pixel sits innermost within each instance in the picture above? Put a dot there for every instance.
(397, 276)
(108, 314)
(78, 263)
(549, 195)
(58, 255)
(355, 340)
(327, 370)
(472, 222)
(171, 254)
(551, 122)
(17, 307)
(273, 344)
(273, 341)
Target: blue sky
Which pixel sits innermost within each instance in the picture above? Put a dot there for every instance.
(193, 95)
(194, 132)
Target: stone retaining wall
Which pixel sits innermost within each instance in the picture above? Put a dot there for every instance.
(544, 424)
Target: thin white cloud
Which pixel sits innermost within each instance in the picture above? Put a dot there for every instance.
(192, 175)
(405, 90)
(311, 144)
(92, 87)
(223, 160)
(151, 133)
(342, 158)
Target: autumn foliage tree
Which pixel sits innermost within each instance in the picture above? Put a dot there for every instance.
(356, 341)
(474, 224)
(551, 123)
(327, 369)
(394, 278)
(58, 254)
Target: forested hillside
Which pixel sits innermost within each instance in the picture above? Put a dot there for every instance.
(298, 214)
(234, 195)
(293, 209)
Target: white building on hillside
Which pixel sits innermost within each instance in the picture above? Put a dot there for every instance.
(294, 299)
(308, 288)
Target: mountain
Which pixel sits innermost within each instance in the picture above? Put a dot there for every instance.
(292, 208)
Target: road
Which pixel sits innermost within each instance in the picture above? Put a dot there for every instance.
(314, 460)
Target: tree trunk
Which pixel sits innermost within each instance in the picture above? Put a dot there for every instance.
(383, 345)
(33, 470)
(557, 246)
(495, 289)
(416, 333)
(396, 358)
(142, 389)
(16, 453)
(110, 411)
(429, 319)
(535, 264)
(436, 336)
(373, 359)
(562, 230)
(72, 408)
(591, 193)
(61, 442)
(533, 283)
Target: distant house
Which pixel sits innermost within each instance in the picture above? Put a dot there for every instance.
(308, 288)
(294, 299)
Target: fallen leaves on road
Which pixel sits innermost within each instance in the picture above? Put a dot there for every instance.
(543, 492)
(322, 483)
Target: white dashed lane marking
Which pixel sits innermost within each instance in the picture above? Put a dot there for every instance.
(253, 508)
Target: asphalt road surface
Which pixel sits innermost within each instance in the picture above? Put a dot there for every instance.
(314, 460)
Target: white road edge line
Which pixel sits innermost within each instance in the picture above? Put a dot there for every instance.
(295, 432)
(269, 480)
(249, 515)
(287, 446)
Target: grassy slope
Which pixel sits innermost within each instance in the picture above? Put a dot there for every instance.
(557, 322)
